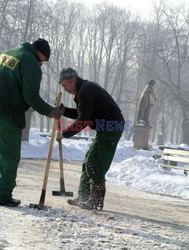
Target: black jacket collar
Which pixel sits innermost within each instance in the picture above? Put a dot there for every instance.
(79, 83)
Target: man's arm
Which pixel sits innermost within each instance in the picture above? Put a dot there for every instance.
(70, 113)
(84, 113)
(31, 78)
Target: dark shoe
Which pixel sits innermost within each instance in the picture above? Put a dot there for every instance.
(10, 202)
(75, 202)
(96, 199)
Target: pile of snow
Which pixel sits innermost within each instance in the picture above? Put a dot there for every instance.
(130, 167)
(140, 172)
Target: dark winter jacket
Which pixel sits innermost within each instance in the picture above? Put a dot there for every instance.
(95, 107)
(20, 77)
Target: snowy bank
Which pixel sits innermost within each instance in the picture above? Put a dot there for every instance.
(130, 167)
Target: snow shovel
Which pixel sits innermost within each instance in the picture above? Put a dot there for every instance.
(62, 191)
(41, 205)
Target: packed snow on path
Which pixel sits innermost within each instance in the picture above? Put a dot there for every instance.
(70, 228)
(130, 168)
(76, 229)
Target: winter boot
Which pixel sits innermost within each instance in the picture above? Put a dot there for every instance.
(10, 202)
(96, 199)
(75, 202)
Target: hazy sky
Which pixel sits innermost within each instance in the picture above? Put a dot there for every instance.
(140, 6)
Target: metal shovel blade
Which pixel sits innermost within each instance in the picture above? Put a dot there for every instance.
(62, 193)
(38, 206)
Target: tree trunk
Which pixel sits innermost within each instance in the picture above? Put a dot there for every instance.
(41, 117)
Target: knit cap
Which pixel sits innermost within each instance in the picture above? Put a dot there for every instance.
(43, 46)
(67, 73)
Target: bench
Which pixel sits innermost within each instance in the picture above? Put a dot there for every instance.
(172, 158)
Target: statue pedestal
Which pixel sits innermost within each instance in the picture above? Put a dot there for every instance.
(160, 140)
(141, 136)
(26, 130)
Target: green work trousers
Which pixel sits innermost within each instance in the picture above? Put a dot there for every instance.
(10, 144)
(98, 160)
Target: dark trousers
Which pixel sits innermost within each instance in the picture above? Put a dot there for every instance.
(98, 160)
(10, 144)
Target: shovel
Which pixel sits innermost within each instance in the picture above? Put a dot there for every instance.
(41, 205)
(62, 191)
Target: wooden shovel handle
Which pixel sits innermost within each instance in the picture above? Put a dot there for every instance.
(58, 102)
(60, 159)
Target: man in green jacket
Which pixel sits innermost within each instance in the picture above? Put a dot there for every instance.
(96, 108)
(20, 77)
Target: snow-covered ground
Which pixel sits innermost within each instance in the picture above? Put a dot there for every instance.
(131, 167)
(135, 216)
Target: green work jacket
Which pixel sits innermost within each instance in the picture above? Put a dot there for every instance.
(20, 78)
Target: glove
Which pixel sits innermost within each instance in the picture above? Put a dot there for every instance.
(62, 107)
(59, 135)
(55, 113)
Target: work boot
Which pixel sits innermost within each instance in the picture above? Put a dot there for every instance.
(75, 202)
(96, 199)
(10, 202)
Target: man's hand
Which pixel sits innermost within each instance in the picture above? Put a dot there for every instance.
(59, 135)
(62, 107)
(55, 113)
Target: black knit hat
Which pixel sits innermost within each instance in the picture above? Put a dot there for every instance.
(43, 46)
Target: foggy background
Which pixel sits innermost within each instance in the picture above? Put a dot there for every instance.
(114, 47)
